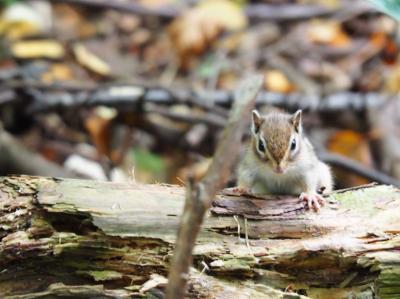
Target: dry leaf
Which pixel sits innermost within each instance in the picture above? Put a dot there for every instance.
(20, 20)
(140, 37)
(91, 61)
(196, 170)
(276, 81)
(227, 80)
(71, 23)
(16, 30)
(154, 281)
(390, 51)
(58, 72)
(392, 80)
(98, 125)
(328, 32)
(199, 27)
(352, 145)
(128, 22)
(38, 49)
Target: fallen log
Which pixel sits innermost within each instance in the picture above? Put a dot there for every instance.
(78, 238)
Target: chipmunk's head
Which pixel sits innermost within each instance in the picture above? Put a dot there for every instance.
(277, 138)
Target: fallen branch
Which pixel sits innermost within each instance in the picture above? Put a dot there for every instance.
(15, 158)
(357, 168)
(169, 11)
(207, 118)
(52, 97)
(199, 195)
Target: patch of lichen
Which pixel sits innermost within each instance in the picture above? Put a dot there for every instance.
(102, 275)
(363, 200)
(388, 283)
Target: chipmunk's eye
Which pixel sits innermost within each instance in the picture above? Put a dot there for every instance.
(293, 145)
(261, 146)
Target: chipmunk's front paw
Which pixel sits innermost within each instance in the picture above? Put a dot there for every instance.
(237, 191)
(241, 190)
(313, 200)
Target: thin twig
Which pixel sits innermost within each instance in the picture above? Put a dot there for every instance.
(358, 168)
(235, 217)
(205, 267)
(200, 195)
(246, 236)
(207, 118)
(361, 187)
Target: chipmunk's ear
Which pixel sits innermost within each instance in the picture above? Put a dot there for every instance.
(256, 123)
(295, 119)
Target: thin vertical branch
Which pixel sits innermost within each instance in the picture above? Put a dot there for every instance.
(199, 195)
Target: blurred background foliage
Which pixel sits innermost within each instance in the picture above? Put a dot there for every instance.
(140, 90)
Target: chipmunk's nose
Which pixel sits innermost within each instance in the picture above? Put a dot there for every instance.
(278, 169)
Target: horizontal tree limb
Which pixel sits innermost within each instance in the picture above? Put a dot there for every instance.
(127, 96)
(15, 158)
(357, 168)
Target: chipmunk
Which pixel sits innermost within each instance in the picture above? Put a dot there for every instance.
(281, 160)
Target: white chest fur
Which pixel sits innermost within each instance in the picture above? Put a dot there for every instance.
(290, 182)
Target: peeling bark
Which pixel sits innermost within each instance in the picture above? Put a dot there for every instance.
(77, 238)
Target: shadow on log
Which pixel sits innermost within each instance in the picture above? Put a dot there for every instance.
(87, 239)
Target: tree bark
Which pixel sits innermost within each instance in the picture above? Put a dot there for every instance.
(78, 238)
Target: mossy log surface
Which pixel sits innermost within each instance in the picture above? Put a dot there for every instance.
(64, 238)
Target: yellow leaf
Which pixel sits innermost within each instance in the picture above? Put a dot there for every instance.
(355, 146)
(199, 27)
(226, 13)
(99, 124)
(14, 30)
(37, 49)
(91, 61)
(392, 80)
(327, 32)
(276, 81)
(57, 72)
(20, 20)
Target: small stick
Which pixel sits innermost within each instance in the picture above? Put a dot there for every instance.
(205, 267)
(199, 195)
(238, 226)
(246, 235)
(357, 168)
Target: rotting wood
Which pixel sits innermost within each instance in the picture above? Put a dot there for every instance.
(77, 237)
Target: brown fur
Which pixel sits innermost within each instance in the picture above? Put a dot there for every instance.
(276, 129)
